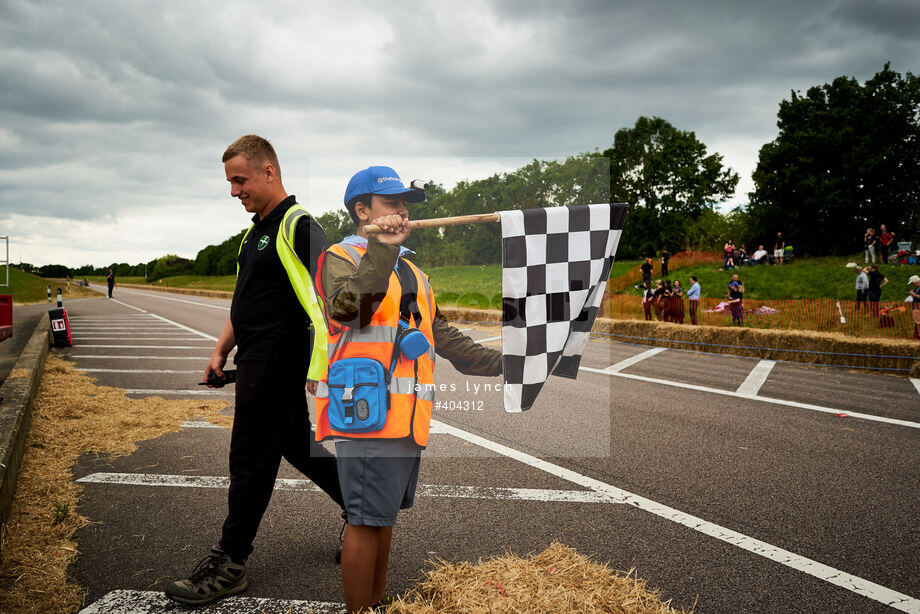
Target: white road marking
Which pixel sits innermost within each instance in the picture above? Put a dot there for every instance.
(154, 602)
(188, 328)
(852, 583)
(155, 294)
(111, 356)
(146, 347)
(488, 339)
(755, 397)
(544, 495)
(134, 337)
(916, 382)
(204, 391)
(200, 424)
(199, 371)
(115, 300)
(757, 377)
(628, 362)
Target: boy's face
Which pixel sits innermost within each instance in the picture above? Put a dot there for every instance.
(381, 205)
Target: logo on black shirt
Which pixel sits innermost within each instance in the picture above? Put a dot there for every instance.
(263, 242)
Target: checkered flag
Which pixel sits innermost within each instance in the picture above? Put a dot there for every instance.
(555, 265)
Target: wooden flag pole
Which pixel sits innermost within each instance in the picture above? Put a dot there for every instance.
(442, 221)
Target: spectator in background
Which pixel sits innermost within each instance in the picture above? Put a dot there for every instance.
(647, 271)
(885, 240)
(877, 281)
(779, 249)
(914, 283)
(760, 256)
(729, 249)
(648, 298)
(741, 256)
(677, 294)
(665, 256)
(693, 298)
(736, 301)
(658, 300)
(110, 281)
(862, 287)
(668, 301)
(870, 240)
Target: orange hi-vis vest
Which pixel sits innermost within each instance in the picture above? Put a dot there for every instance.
(412, 381)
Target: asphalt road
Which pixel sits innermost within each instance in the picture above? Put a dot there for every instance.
(738, 484)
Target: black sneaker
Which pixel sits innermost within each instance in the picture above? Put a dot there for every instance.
(215, 576)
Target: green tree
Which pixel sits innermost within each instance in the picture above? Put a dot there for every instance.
(847, 157)
(668, 180)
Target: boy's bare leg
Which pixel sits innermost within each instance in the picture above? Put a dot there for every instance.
(380, 570)
(359, 562)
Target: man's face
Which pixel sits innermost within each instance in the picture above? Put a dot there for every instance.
(251, 182)
(382, 205)
(735, 277)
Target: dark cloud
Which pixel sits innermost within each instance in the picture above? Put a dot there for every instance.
(112, 108)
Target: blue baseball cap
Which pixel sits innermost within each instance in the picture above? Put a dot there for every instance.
(381, 180)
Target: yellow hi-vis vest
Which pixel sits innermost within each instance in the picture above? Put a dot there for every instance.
(302, 284)
(411, 391)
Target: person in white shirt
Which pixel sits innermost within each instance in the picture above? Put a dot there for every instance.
(862, 287)
(693, 296)
(759, 255)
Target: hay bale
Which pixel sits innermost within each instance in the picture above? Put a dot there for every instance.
(71, 416)
(555, 580)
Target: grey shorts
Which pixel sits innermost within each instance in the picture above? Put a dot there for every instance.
(378, 478)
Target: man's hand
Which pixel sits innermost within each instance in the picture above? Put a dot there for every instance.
(216, 366)
(395, 229)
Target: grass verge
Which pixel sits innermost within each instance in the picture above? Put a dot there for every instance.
(29, 289)
(71, 416)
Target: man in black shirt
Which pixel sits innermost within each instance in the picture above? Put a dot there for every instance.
(271, 332)
(646, 271)
(876, 282)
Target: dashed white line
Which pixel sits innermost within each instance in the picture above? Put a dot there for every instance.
(756, 378)
(112, 356)
(628, 362)
(200, 424)
(192, 392)
(144, 347)
(154, 602)
(487, 339)
(545, 495)
(154, 371)
(755, 397)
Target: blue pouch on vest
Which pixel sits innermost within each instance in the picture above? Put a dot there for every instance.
(359, 395)
(412, 342)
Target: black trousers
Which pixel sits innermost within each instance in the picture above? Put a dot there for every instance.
(270, 421)
(110, 289)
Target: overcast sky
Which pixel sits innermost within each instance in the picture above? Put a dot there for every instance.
(114, 114)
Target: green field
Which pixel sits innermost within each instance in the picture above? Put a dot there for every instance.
(27, 288)
(479, 286)
(806, 278)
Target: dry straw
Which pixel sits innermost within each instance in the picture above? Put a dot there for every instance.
(71, 416)
(559, 579)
